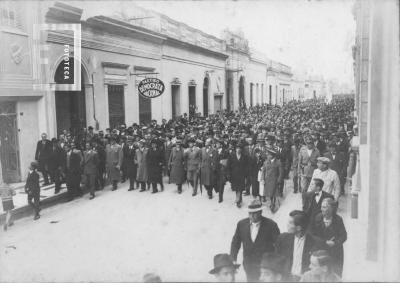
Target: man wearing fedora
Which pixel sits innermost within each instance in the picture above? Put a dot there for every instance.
(329, 176)
(258, 235)
(238, 169)
(224, 268)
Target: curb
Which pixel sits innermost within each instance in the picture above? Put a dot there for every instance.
(26, 210)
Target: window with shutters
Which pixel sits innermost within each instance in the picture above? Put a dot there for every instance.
(10, 15)
(116, 107)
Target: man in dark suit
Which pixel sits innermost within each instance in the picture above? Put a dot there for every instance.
(90, 168)
(337, 163)
(56, 164)
(73, 171)
(258, 235)
(221, 168)
(296, 246)
(314, 198)
(238, 167)
(328, 227)
(129, 152)
(32, 188)
(42, 155)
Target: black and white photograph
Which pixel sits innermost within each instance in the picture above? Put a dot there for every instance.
(199, 141)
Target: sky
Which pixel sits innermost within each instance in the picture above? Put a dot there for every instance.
(310, 36)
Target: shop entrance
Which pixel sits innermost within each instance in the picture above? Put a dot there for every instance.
(70, 105)
(9, 146)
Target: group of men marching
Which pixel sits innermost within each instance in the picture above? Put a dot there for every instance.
(253, 149)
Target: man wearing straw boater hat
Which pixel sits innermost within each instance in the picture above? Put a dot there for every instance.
(224, 268)
(258, 235)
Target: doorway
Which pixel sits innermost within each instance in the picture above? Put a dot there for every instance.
(217, 103)
(192, 101)
(116, 105)
(270, 94)
(205, 97)
(242, 102)
(70, 105)
(251, 94)
(9, 145)
(175, 97)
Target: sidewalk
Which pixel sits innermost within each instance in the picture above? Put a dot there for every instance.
(21, 207)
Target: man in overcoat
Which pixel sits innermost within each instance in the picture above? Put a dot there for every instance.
(114, 157)
(328, 227)
(238, 171)
(177, 164)
(56, 164)
(155, 162)
(73, 171)
(42, 155)
(258, 235)
(272, 176)
(221, 173)
(208, 167)
(307, 164)
(192, 162)
(130, 162)
(141, 159)
(90, 168)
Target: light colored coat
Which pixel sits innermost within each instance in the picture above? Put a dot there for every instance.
(307, 163)
(177, 165)
(271, 175)
(114, 158)
(141, 159)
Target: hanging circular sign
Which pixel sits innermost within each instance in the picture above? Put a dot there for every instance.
(151, 87)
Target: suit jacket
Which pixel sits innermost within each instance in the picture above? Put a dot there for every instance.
(192, 158)
(74, 162)
(238, 170)
(321, 146)
(264, 242)
(284, 246)
(311, 207)
(32, 183)
(272, 174)
(307, 164)
(336, 230)
(338, 164)
(209, 161)
(130, 161)
(43, 151)
(90, 162)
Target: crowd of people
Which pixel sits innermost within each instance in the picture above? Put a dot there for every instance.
(254, 150)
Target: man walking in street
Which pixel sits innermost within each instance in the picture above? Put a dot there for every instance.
(192, 161)
(258, 235)
(90, 168)
(73, 171)
(42, 155)
(238, 171)
(114, 157)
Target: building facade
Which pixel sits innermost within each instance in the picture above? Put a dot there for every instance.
(375, 192)
(202, 74)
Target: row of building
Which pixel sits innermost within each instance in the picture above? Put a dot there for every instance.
(201, 73)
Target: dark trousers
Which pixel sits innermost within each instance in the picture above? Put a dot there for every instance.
(44, 169)
(295, 183)
(154, 186)
(90, 183)
(55, 176)
(220, 189)
(35, 204)
(209, 190)
(132, 180)
(142, 186)
(179, 187)
(100, 177)
(255, 186)
(74, 184)
(248, 185)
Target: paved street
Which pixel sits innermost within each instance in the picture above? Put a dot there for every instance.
(120, 235)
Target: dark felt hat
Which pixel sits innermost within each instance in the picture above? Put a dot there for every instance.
(222, 260)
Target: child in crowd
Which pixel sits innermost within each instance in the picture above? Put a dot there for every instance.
(32, 188)
(7, 193)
